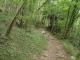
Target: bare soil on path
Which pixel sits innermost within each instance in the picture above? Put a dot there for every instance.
(54, 50)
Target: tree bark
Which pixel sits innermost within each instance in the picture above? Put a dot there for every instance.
(21, 20)
(12, 23)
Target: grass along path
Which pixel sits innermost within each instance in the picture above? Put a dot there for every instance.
(55, 50)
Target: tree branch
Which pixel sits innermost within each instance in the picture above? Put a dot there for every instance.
(41, 6)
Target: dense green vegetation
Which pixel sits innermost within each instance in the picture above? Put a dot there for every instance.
(19, 19)
(22, 45)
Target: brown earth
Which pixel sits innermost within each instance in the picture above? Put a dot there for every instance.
(55, 50)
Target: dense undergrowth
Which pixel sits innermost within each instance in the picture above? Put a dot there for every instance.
(71, 50)
(22, 45)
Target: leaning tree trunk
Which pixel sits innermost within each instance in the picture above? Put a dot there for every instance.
(41, 6)
(12, 23)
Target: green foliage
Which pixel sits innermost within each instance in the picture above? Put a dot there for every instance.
(71, 50)
(75, 34)
(22, 45)
(31, 42)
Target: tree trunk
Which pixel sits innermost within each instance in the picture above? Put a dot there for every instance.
(21, 21)
(12, 23)
(71, 21)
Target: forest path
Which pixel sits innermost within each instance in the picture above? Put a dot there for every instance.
(54, 50)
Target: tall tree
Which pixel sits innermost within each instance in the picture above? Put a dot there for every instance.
(12, 23)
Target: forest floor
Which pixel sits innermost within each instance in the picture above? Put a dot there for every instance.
(54, 50)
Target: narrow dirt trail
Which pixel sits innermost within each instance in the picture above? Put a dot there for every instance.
(54, 50)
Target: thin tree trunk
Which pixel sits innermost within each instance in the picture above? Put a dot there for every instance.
(21, 21)
(71, 22)
(12, 23)
(41, 6)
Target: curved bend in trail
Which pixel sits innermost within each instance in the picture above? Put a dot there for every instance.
(54, 50)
